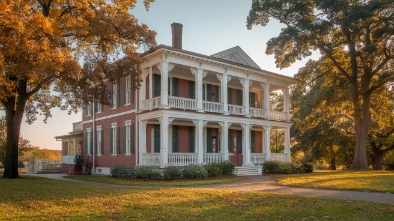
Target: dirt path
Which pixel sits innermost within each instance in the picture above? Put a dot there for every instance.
(262, 184)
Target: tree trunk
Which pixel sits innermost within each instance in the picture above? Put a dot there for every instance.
(333, 165)
(377, 163)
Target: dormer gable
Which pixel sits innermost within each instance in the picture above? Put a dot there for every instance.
(237, 55)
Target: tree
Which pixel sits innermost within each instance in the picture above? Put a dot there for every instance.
(41, 42)
(23, 144)
(356, 36)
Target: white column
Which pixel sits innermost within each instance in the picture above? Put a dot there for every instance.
(200, 124)
(266, 101)
(199, 75)
(141, 140)
(165, 121)
(165, 67)
(142, 90)
(287, 143)
(246, 84)
(285, 92)
(224, 139)
(246, 144)
(224, 79)
(150, 82)
(267, 140)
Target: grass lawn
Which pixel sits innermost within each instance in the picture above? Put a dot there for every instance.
(374, 181)
(35, 198)
(107, 179)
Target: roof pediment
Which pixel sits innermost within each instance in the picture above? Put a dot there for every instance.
(237, 55)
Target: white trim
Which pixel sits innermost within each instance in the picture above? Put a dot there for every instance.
(110, 116)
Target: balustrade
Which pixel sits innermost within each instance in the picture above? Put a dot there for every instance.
(236, 110)
(150, 104)
(257, 158)
(182, 103)
(150, 159)
(279, 157)
(182, 159)
(213, 158)
(214, 107)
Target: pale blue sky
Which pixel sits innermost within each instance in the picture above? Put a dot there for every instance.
(209, 26)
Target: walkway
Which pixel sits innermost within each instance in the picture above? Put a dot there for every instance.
(263, 184)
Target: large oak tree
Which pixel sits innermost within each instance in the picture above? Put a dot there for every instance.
(355, 35)
(41, 45)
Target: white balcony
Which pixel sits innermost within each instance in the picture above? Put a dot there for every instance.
(150, 104)
(236, 110)
(278, 115)
(213, 107)
(257, 112)
(182, 159)
(182, 103)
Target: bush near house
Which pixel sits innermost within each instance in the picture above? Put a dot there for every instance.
(279, 167)
(172, 173)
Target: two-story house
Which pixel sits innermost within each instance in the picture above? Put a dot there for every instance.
(190, 109)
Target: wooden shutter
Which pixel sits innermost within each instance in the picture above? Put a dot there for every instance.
(102, 141)
(239, 141)
(175, 139)
(191, 140)
(192, 90)
(230, 141)
(209, 92)
(156, 139)
(209, 140)
(131, 91)
(118, 141)
(239, 98)
(217, 94)
(252, 140)
(85, 143)
(124, 140)
(229, 96)
(111, 95)
(157, 85)
(124, 90)
(132, 139)
(91, 142)
(111, 139)
(252, 99)
(175, 87)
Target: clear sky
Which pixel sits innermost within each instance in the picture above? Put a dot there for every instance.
(209, 26)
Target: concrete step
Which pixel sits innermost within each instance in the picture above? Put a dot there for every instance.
(246, 171)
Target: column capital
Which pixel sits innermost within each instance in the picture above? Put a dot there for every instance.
(143, 122)
(220, 77)
(267, 127)
(250, 83)
(228, 78)
(166, 64)
(223, 124)
(245, 126)
(242, 81)
(196, 71)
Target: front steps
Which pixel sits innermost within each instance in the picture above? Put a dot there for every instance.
(247, 171)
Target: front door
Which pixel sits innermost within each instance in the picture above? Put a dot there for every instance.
(235, 146)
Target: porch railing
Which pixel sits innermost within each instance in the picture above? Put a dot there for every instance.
(150, 103)
(278, 115)
(150, 159)
(182, 103)
(257, 158)
(213, 158)
(182, 159)
(236, 110)
(77, 126)
(214, 107)
(257, 112)
(279, 157)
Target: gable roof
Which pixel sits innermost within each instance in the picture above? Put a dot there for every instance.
(237, 55)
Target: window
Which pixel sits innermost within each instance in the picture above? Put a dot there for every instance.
(114, 95)
(99, 108)
(89, 109)
(88, 142)
(127, 91)
(114, 139)
(99, 140)
(128, 131)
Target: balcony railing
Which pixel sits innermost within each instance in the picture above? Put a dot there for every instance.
(150, 104)
(213, 158)
(279, 157)
(278, 115)
(257, 112)
(182, 159)
(182, 103)
(214, 107)
(77, 126)
(257, 158)
(236, 110)
(150, 159)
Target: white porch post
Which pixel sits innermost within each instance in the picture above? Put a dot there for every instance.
(142, 140)
(200, 124)
(199, 75)
(165, 121)
(267, 141)
(287, 143)
(224, 79)
(164, 68)
(246, 144)
(285, 92)
(224, 136)
(266, 101)
(150, 82)
(142, 90)
(246, 84)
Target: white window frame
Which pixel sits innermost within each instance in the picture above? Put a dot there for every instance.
(128, 90)
(115, 95)
(114, 139)
(88, 141)
(99, 141)
(89, 109)
(128, 137)
(99, 108)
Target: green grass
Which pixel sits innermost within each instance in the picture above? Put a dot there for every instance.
(110, 180)
(35, 198)
(373, 181)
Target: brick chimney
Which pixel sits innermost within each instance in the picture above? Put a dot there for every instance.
(177, 35)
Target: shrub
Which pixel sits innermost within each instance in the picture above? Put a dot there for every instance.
(278, 167)
(389, 166)
(122, 172)
(195, 172)
(171, 173)
(148, 172)
(307, 167)
(227, 167)
(214, 169)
